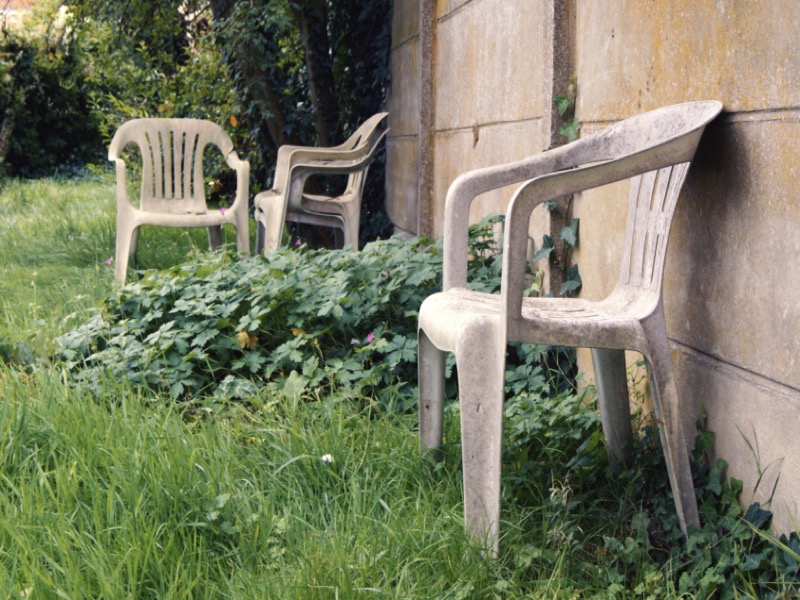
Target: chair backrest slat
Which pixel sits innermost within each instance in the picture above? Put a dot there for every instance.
(652, 203)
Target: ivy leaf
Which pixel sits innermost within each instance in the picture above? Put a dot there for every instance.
(570, 233)
(570, 130)
(573, 281)
(563, 104)
(545, 250)
(757, 516)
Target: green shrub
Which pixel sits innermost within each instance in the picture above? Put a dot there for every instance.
(45, 120)
(298, 319)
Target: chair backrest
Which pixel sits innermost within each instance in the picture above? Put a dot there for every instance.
(367, 136)
(652, 202)
(172, 160)
(654, 150)
(675, 131)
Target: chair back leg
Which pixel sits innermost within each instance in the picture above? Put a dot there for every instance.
(430, 367)
(215, 236)
(666, 405)
(612, 397)
(243, 232)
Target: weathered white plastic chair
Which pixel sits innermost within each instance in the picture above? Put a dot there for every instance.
(286, 201)
(654, 149)
(172, 190)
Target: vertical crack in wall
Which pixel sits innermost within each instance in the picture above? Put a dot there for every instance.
(561, 37)
(427, 116)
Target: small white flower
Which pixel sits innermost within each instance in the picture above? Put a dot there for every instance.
(327, 458)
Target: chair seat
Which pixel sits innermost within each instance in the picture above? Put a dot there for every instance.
(614, 322)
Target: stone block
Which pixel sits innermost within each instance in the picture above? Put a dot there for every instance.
(488, 67)
(733, 278)
(401, 181)
(404, 101)
(755, 424)
(634, 56)
(460, 151)
(405, 21)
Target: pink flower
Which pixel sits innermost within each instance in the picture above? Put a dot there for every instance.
(109, 260)
(222, 210)
(297, 242)
(370, 337)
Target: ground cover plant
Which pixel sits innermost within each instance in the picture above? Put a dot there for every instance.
(304, 483)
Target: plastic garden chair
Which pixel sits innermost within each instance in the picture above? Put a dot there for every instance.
(286, 201)
(654, 149)
(172, 190)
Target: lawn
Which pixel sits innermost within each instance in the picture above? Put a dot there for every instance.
(113, 490)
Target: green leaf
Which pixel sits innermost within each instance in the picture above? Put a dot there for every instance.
(570, 130)
(573, 281)
(757, 516)
(563, 104)
(294, 386)
(570, 233)
(545, 250)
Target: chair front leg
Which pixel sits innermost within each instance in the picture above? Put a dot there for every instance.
(269, 213)
(351, 213)
(127, 238)
(480, 360)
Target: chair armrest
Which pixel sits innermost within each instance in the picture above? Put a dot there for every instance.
(468, 186)
(562, 183)
(121, 180)
(242, 168)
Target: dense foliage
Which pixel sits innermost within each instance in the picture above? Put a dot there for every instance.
(273, 72)
(46, 120)
(221, 326)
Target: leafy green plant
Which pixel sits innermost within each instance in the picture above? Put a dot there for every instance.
(565, 105)
(296, 319)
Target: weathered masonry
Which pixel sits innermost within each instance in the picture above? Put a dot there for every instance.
(473, 83)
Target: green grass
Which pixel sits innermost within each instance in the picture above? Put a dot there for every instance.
(123, 496)
(111, 492)
(55, 236)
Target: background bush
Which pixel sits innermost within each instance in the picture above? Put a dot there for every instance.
(46, 118)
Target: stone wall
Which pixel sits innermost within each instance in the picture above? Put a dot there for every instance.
(481, 93)
(452, 108)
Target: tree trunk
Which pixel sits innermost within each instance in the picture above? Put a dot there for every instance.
(312, 21)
